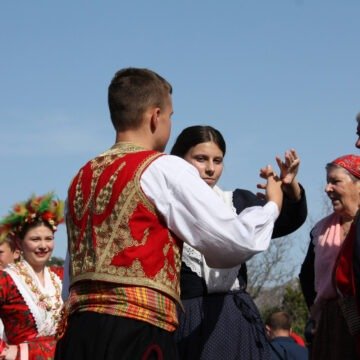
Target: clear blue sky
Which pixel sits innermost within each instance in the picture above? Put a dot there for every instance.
(270, 75)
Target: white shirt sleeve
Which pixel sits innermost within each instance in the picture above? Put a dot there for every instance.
(199, 217)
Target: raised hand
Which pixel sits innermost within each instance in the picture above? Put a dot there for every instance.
(289, 167)
(273, 191)
(288, 175)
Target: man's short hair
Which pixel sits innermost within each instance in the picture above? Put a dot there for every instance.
(131, 92)
(280, 320)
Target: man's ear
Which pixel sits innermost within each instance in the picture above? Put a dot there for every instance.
(268, 330)
(154, 119)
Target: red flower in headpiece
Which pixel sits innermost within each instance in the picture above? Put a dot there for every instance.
(47, 215)
(46, 207)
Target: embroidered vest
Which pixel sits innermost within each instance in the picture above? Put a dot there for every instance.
(115, 233)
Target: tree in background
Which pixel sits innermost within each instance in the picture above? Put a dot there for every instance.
(271, 268)
(294, 304)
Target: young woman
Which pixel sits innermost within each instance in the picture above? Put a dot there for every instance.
(30, 292)
(220, 320)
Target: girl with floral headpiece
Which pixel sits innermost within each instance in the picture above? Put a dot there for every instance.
(326, 276)
(30, 291)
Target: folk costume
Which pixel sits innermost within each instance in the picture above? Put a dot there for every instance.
(217, 307)
(29, 310)
(328, 283)
(128, 211)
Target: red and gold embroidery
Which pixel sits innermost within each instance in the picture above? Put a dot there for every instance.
(116, 234)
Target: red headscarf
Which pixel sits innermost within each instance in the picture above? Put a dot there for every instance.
(349, 162)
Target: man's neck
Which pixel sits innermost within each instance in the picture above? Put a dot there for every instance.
(281, 333)
(136, 138)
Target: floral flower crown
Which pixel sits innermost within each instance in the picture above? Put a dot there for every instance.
(45, 208)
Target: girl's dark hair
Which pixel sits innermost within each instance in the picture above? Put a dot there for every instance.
(194, 135)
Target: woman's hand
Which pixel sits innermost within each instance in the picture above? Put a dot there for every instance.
(289, 167)
(273, 190)
(288, 172)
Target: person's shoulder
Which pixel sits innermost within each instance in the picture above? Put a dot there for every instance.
(244, 194)
(243, 199)
(58, 270)
(3, 274)
(173, 159)
(322, 224)
(5, 279)
(172, 164)
(290, 345)
(284, 340)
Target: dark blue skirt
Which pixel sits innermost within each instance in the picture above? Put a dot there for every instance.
(221, 327)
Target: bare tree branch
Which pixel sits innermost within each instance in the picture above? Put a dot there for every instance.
(272, 267)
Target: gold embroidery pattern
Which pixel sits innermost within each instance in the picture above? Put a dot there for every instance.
(113, 235)
(105, 193)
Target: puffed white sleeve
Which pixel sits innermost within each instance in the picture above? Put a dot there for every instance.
(198, 216)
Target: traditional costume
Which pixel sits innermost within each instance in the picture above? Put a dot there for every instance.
(127, 210)
(328, 284)
(29, 310)
(217, 307)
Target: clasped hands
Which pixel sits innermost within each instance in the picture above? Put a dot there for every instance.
(288, 168)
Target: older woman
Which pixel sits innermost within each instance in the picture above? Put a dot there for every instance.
(326, 275)
(30, 292)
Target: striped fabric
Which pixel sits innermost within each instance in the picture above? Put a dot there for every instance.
(350, 311)
(134, 302)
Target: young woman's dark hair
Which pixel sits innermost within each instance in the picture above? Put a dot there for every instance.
(194, 135)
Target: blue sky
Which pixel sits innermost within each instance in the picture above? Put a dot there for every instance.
(270, 75)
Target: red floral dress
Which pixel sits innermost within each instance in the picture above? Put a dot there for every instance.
(29, 311)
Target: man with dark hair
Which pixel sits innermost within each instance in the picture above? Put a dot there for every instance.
(128, 211)
(283, 346)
